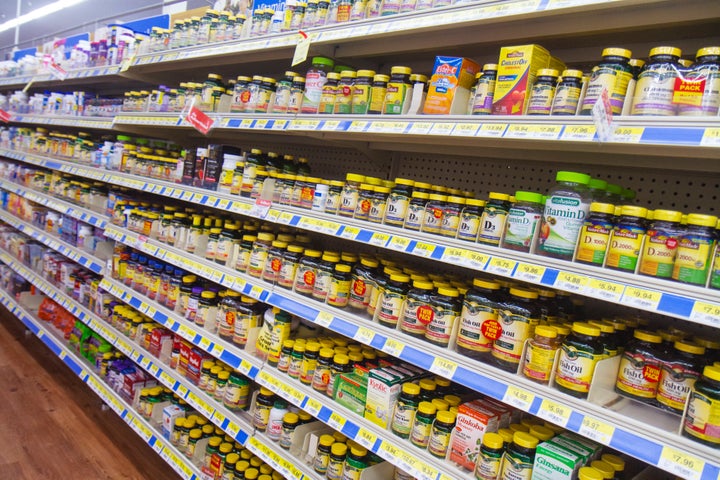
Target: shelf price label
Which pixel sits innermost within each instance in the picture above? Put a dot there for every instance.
(336, 421)
(475, 260)
(441, 128)
(364, 335)
(596, 430)
(453, 255)
(313, 406)
(423, 249)
(420, 128)
(710, 138)
(554, 412)
(444, 367)
(518, 397)
(492, 130)
(578, 133)
(570, 282)
(366, 438)
(465, 130)
(628, 134)
(350, 233)
(501, 266)
(605, 290)
(324, 318)
(680, 463)
(529, 273)
(379, 239)
(393, 347)
(357, 126)
(706, 313)
(641, 298)
(399, 243)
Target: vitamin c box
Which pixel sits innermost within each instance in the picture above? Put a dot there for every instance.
(450, 86)
(517, 67)
(473, 420)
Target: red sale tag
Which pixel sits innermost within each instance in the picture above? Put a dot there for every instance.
(5, 116)
(688, 92)
(57, 71)
(199, 120)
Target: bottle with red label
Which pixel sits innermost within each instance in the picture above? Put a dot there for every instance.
(315, 79)
(363, 281)
(479, 326)
(417, 311)
(640, 364)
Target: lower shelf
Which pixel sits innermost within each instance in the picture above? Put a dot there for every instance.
(147, 432)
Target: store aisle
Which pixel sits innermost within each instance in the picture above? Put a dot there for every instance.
(51, 425)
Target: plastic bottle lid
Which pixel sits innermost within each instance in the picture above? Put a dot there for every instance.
(411, 388)
(617, 52)
(597, 184)
(348, 74)
(605, 469)
(440, 404)
(674, 51)
(519, 427)
(423, 285)
(339, 449)
(365, 73)
(455, 199)
(418, 77)
(570, 73)
(525, 440)
(427, 408)
(327, 440)
(689, 347)
(531, 197)
(617, 463)
(225, 447)
(355, 178)
(438, 197)
(606, 208)
(542, 433)
(707, 343)
(547, 72)
(208, 294)
(446, 416)
(647, 336)
(427, 384)
(708, 51)
(358, 451)
(490, 67)
(503, 197)
(367, 187)
(586, 329)
(702, 220)
(488, 284)
(492, 440)
(573, 177)
(341, 359)
(453, 400)
(522, 293)
(323, 61)
(401, 70)
(506, 434)
(546, 331)
(589, 473)
(404, 181)
(667, 215)
(341, 267)
(633, 211)
(400, 277)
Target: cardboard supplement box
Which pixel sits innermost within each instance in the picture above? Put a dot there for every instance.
(517, 67)
(450, 86)
(473, 420)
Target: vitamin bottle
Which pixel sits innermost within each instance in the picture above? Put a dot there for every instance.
(360, 99)
(489, 460)
(517, 316)
(661, 240)
(701, 421)
(540, 354)
(517, 463)
(416, 211)
(484, 90)
(355, 463)
(627, 238)
(640, 364)
(378, 92)
(417, 311)
(350, 194)
(451, 214)
(612, 73)
(470, 220)
(522, 221)
(329, 94)
(446, 307)
(378, 203)
(393, 299)
(321, 375)
(479, 326)
(323, 276)
(694, 251)
(344, 92)
(656, 83)
(706, 67)
(542, 93)
(282, 93)
(595, 234)
(275, 419)
(397, 89)
(566, 208)
(608, 337)
(580, 352)
(678, 374)
(322, 454)
(433, 216)
(263, 404)
(297, 91)
(364, 203)
(309, 362)
(403, 415)
(338, 452)
(362, 283)
(397, 202)
(341, 364)
(315, 80)
(567, 95)
(494, 216)
(307, 272)
(422, 424)
(442, 428)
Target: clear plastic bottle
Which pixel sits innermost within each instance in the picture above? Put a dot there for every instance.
(315, 79)
(656, 84)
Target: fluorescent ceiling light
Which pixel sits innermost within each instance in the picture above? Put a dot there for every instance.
(38, 13)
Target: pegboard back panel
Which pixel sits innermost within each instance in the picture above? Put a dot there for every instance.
(687, 192)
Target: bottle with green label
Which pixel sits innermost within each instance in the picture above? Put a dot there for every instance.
(517, 463)
(489, 459)
(694, 249)
(566, 208)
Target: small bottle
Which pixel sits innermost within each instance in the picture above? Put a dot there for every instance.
(322, 372)
(405, 408)
(694, 251)
(640, 364)
(296, 359)
(678, 373)
(580, 352)
(397, 202)
(492, 221)
(706, 66)
(442, 428)
(322, 454)
(341, 364)
(627, 238)
(542, 93)
(297, 91)
(654, 92)
(355, 463)
(479, 325)
(378, 92)
(393, 299)
(416, 211)
(309, 362)
(489, 459)
(397, 89)
(422, 424)
(344, 92)
(540, 354)
(275, 420)
(701, 421)
(523, 220)
(518, 315)
(417, 310)
(339, 290)
(661, 240)
(520, 456)
(263, 404)
(484, 90)
(446, 307)
(608, 338)
(360, 101)
(595, 234)
(338, 452)
(567, 94)
(612, 73)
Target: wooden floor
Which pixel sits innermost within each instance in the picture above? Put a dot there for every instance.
(51, 425)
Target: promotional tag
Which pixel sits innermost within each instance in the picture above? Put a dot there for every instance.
(301, 49)
(602, 116)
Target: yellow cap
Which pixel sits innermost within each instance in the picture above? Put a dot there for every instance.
(489, 284)
(506, 434)
(589, 473)
(499, 196)
(399, 277)
(547, 72)
(438, 197)
(446, 416)
(401, 70)
(522, 293)
(365, 73)
(572, 73)
(327, 440)
(525, 440)
(617, 463)
(633, 211)
(667, 215)
(647, 336)
(492, 440)
(355, 177)
(674, 51)
(617, 52)
(440, 404)
(338, 449)
(427, 384)
(605, 469)
(708, 51)
(541, 432)
(702, 220)
(405, 181)
(585, 329)
(546, 331)
(474, 202)
(598, 207)
(453, 400)
(707, 343)
(421, 195)
(605, 327)
(411, 388)
(449, 292)
(427, 408)
(341, 267)
(519, 427)
(689, 347)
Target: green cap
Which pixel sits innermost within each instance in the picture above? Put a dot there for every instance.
(597, 184)
(531, 197)
(614, 189)
(627, 193)
(572, 177)
(323, 61)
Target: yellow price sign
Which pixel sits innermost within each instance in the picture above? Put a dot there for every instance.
(628, 134)
(204, 344)
(554, 412)
(358, 126)
(398, 243)
(706, 313)
(681, 463)
(167, 379)
(597, 430)
(518, 397)
(218, 417)
(641, 298)
(578, 133)
(444, 367)
(475, 260)
(364, 335)
(336, 421)
(313, 406)
(350, 233)
(420, 128)
(570, 282)
(366, 438)
(605, 290)
(324, 318)
(453, 255)
(392, 453)
(465, 130)
(379, 239)
(441, 128)
(393, 347)
(423, 249)
(710, 138)
(501, 266)
(529, 273)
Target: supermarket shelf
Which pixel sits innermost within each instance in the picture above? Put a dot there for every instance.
(66, 208)
(576, 415)
(169, 453)
(100, 123)
(83, 258)
(91, 75)
(238, 428)
(697, 304)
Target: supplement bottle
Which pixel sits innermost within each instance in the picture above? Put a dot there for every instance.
(442, 428)
(416, 211)
(282, 93)
(706, 67)
(451, 216)
(608, 337)
(589, 473)
(661, 240)
(324, 274)
(446, 307)
(321, 376)
(275, 420)
(580, 352)
(517, 316)
(522, 221)
(350, 194)
(243, 252)
(362, 283)
(567, 95)
(397, 89)
(364, 203)
(393, 299)
(627, 239)
(339, 289)
(489, 458)
(406, 406)
(494, 216)
(640, 364)
(479, 326)
(417, 311)
(338, 452)
(307, 272)
(360, 101)
(341, 364)
(540, 355)
(566, 208)
(315, 80)
(612, 73)
(542, 93)
(595, 234)
(378, 204)
(517, 463)
(484, 90)
(678, 374)
(397, 202)
(355, 463)
(470, 220)
(656, 83)
(378, 92)
(297, 92)
(322, 454)
(433, 216)
(289, 266)
(263, 404)
(329, 94)
(694, 251)
(702, 422)
(309, 362)
(285, 357)
(344, 92)
(422, 425)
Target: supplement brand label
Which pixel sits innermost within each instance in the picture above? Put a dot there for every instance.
(492, 225)
(658, 254)
(688, 92)
(575, 369)
(654, 92)
(614, 81)
(563, 219)
(675, 385)
(520, 228)
(702, 418)
(624, 248)
(478, 327)
(638, 375)
(515, 329)
(440, 327)
(693, 259)
(593, 242)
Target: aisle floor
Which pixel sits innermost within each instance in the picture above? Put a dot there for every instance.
(51, 424)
